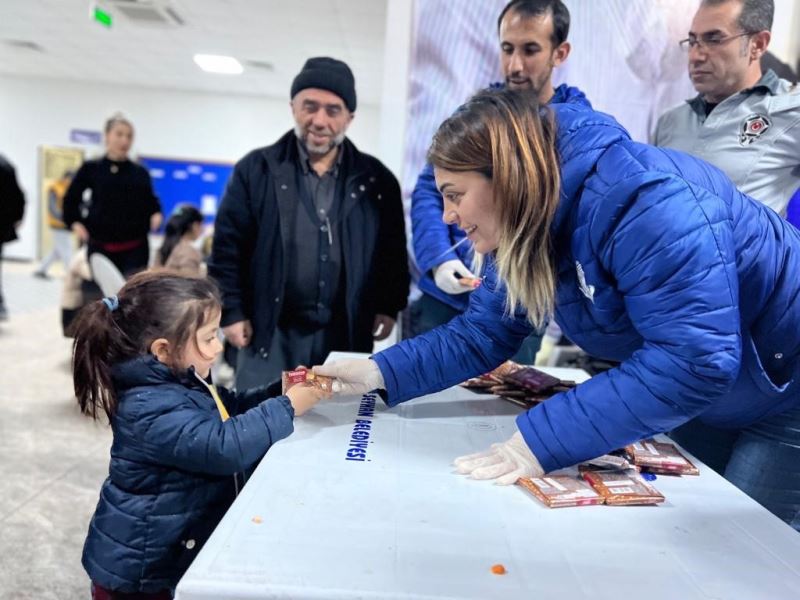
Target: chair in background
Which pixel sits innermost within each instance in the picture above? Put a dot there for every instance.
(106, 274)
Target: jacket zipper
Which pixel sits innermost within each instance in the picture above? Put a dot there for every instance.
(223, 413)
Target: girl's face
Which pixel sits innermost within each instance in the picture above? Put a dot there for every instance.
(203, 353)
(469, 204)
(195, 230)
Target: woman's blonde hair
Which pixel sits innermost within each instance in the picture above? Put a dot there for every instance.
(116, 118)
(507, 137)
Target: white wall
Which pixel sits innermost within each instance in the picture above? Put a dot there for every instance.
(168, 123)
(785, 42)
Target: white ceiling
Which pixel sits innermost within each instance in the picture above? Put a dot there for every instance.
(281, 32)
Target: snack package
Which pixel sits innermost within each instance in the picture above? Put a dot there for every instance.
(531, 379)
(470, 282)
(660, 457)
(622, 487)
(491, 378)
(561, 490)
(290, 378)
(524, 386)
(607, 462)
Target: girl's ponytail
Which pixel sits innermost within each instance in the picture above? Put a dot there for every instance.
(98, 340)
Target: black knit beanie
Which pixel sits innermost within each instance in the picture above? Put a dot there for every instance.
(327, 74)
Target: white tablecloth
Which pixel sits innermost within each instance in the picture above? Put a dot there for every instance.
(401, 524)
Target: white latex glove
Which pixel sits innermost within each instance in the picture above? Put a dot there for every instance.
(445, 277)
(505, 462)
(354, 376)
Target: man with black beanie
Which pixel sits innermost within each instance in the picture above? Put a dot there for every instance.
(309, 242)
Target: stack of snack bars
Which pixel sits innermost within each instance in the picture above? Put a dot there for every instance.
(561, 490)
(615, 480)
(659, 457)
(521, 385)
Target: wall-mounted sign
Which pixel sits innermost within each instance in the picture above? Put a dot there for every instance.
(85, 136)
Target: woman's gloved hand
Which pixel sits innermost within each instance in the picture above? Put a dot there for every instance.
(504, 462)
(453, 277)
(354, 376)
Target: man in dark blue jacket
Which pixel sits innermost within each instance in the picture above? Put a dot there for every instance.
(309, 243)
(533, 41)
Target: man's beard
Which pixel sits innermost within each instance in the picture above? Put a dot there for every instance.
(535, 85)
(316, 148)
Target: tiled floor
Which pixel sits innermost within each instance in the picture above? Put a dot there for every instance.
(53, 459)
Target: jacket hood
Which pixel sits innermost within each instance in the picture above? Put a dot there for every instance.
(582, 137)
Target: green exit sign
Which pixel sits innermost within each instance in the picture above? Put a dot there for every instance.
(103, 17)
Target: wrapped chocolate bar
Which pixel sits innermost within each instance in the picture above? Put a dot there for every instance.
(290, 378)
(524, 386)
(560, 490)
(531, 379)
(661, 457)
(607, 462)
(622, 487)
(491, 378)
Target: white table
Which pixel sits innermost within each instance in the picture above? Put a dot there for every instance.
(401, 524)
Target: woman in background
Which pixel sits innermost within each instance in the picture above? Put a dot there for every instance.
(178, 252)
(122, 207)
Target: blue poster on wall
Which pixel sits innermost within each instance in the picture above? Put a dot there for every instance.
(182, 181)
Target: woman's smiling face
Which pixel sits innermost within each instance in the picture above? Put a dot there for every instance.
(469, 204)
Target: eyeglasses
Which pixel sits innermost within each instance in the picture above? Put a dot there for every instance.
(710, 41)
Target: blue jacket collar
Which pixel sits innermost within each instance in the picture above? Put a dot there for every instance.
(146, 370)
(563, 94)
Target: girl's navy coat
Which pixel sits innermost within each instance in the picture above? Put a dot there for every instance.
(171, 476)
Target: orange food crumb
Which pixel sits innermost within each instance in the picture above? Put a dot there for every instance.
(499, 570)
(257, 520)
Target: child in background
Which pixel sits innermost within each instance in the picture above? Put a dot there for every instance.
(143, 359)
(177, 253)
(61, 234)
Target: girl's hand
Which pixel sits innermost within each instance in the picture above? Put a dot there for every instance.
(304, 396)
(80, 231)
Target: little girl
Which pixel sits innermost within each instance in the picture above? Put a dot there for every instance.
(177, 252)
(143, 359)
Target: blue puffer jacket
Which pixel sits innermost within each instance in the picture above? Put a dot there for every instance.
(662, 264)
(433, 238)
(171, 476)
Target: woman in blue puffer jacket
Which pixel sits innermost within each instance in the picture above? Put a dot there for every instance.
(643, 255)
(181, 446)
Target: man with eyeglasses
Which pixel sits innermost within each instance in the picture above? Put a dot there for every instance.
(743, 121)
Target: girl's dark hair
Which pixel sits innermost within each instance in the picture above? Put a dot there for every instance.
(152, 305)
(178, 224)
